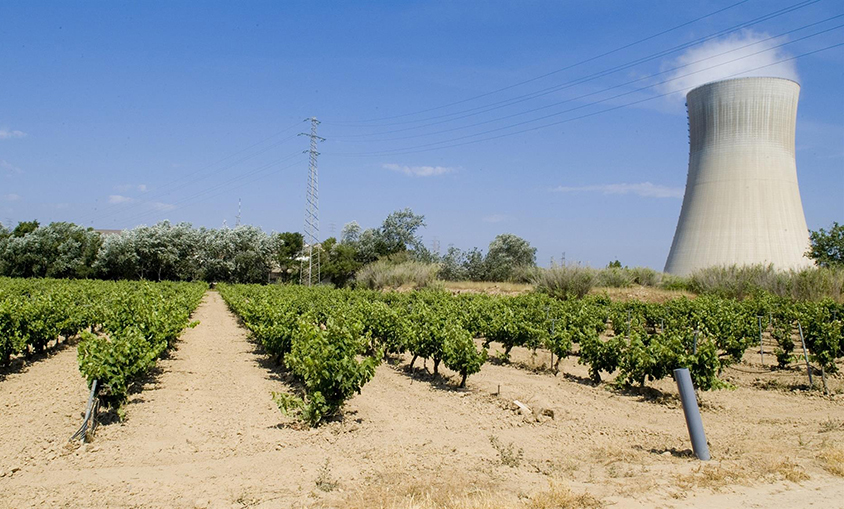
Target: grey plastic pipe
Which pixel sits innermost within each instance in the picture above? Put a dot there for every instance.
(692, 413)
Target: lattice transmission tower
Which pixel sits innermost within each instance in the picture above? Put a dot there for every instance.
(309, 273)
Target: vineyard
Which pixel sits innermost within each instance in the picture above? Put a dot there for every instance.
(407, 398)
(319, 334)
(124, 326)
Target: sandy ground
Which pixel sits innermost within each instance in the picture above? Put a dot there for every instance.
(204, 432)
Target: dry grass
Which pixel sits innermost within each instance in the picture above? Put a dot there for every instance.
(560, 496)
(718, 476)
(831, 425)
(641, 293)
(429, 490)
(832, 460)
(492, 288)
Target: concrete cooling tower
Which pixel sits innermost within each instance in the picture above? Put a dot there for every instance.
(742, 205)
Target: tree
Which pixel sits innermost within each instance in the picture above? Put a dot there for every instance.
(288, 247)
(827, 247)
(506, 253)
(24, 227)
(475, 265)
(452, 265)
(60, 250)
(398, 232)
(117, 257)
(338, 265)
(351, 233)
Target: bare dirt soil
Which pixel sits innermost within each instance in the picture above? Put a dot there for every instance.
(204, 432)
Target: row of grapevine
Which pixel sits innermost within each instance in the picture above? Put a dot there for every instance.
(124, 326)
(639, 341)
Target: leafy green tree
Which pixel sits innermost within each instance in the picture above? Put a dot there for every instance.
(339, 264)
(118, 258)
(289, 246)
(475, 265)
(351, 233)
(25, 227)
(398, 232)
(60, 250)
(506, 253)
(452, 266)
(827, 247)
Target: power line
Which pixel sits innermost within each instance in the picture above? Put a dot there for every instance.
(422, 148)
(590, 59)
(459, 115)
(169, 187)
(226, 184)
(544, 107)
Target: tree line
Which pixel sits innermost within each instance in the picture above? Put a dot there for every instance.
(244, 254)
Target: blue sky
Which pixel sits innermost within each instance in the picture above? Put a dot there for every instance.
(114, 114)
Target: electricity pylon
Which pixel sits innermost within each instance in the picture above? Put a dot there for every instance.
(309, 273)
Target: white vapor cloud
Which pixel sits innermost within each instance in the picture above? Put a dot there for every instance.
(5, 134)
(728, 58)
(162, 206)
(11, 197)
(644, 189)
(9, 167)
(419, 171)
(116, 199)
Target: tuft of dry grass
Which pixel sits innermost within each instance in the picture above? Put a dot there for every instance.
(718, 476)
(397, 490)
(831, 424)
(492, 288)
(832, 460)
(642, 294)
(560, 496)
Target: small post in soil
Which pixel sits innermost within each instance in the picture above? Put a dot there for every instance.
(761, 350)
(692, 413)
(805, 355)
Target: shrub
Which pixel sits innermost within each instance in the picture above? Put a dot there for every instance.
(614, 277)
(384, 274)
(565, 281)
(738, 282)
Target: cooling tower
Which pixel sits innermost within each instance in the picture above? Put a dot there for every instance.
(742, 204)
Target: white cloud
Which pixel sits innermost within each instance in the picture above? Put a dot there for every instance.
(644, 189)
(162, 206)
(9, 167)
(116, 199)
(419, 171)
(5, 134)
(11, 197)
(496, 218)
(738, 55)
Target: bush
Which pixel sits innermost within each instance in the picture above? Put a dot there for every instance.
(565, 281)
(738, 282)
(645, 276)
(384, 274)
(613, 278)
